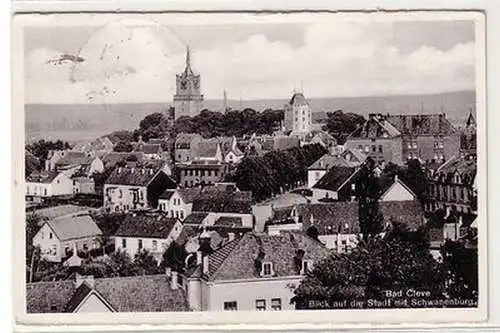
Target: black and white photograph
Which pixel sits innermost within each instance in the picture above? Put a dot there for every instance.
(252, 162)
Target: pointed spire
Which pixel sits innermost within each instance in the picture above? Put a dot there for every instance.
(188, 56)
(471, 121)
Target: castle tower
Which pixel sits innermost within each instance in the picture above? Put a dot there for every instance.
(188, 100)
(298, 115)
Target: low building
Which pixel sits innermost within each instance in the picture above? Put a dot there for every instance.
(46, 184)
(178, 203)
(348, 158)
(84, 294)
(199, 172)
(230, 150)
(129, 188)
(58, 236)
(75, 162)
(147, 231)
(338, 184)
(252, 272)
(185, 144)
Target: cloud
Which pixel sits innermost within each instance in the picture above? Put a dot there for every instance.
(138, 63)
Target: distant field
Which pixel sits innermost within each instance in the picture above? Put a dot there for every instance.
(86, 121)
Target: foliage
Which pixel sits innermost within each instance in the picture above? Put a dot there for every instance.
(155, 125)
(367, 194)
(31, 228)
(122, 263)
(174, 257)
(31, 163)
(121, 135)
(340, 124)
(41, 148)
(397, 261)
(123, 147)
(461, 268)
(276, 171)
(109, 223)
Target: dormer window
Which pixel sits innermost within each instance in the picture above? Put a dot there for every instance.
(306, 266)
(267, 269)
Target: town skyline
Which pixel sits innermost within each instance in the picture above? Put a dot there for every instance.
(262, 61)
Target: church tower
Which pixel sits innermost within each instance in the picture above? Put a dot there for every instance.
(298, 115)
(188, 100)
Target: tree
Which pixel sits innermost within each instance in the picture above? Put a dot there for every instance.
(398, 261)
(174, 257)
(340, 124)
(32, 255)
(367, 194)
(145, 263)
(41, 148)
(123, 147)
(122, 263)
(460, 265)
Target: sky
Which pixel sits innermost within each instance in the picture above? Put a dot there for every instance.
(127, 61)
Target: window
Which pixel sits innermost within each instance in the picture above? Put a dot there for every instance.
(155, 245)
(409, 145)
(177, 213)
(85, 247)
(141, 195)
(182, 214)
(140, 244)
(380, 150)
(267, 269)
(50, 235)
(45, 192)
(414, 145)
(276, 304)
(124, 243)
(43, 235)
(441, 144)
(306, 266)
(317, 175)
(230, 306)
(374, 148)
(120, 194)
(260, 305)
(367, 148)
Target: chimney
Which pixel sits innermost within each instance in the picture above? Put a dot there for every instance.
(230, 236)
(205, 264)
(173, 280)
(396, 178)
(199, 257)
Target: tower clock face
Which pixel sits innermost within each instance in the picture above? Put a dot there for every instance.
(183, 84)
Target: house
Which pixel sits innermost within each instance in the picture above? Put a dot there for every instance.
(379, 139)
(259, 145)
(338, 184)
(151, 151)
(111, 160)
(252, 272)
(319, 168)
(98, 147)
(58, 236)
(135, 188)
(83, 185)
(75, 161)
(196, 219)
(208, 151)
(320, 137)
(337, 223)
(201, 172)
(185, 144)
(394, 189)
(147, 293)
(230, 150)
(46, 184)
(454, 185)
(178, 203)
(62, 210)
(147, 231)
(428, 137)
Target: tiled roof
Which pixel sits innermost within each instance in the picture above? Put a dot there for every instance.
(57, 211)
(386, 182)
(167, 194)
(228, 221)
(146, 225)
(335, 178)
(137, 177)
(466, 167)
(327, 161)
(74, 226)
(147, 293)
(184, 140)
(283, 143)
(195, 218)
(78, 296)
(409, 213)
(354, 156)
(95, 145)
(48, 297)
(375, 128)
(422, 124)
(111, 159)
(237, 259)
(83, 180)
(45, 177)
(216, 241)
(189, 194)
(223, 203)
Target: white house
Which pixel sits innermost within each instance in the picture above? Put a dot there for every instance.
(338, 184)
(147, 231)
(74, 161)
(397, 190)
(178, 202)
(58, 236)
(232, 154)
(251, 273)
(48, 184)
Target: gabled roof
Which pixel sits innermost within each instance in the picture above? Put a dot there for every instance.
(75, 158)
(228, 222)
(111, 159)
(327, 161)
(147, 293)
(62, 210)
(138, 177)
(236, 259)
(195, 218)
(223, 199)
(422, 124)
(298, 99)
(386, 183)
(74, 226)
(375, 127)
(103, 143)
(188, 194)
(354, 156)
(45, 177)
(335, 178)
(146, 225)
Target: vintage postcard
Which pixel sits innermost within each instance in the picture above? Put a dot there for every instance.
(245, 168)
